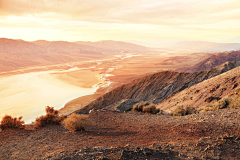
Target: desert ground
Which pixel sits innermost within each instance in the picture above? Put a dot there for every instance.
(131, 135)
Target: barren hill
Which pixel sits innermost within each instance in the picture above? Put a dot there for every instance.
(154, 87)
(206, 93)
(213, 61)
(15, 54)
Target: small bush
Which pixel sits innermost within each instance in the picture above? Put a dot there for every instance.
(151, 109)
(10, 122)
(146, 107)
(190, 110)
(76, 122)
(180, 111)
(226, 102)
(139, 106)
(51, 117)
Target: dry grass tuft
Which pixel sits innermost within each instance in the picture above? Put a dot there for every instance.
(180, 111)
(226, 102)
(151, 109)
(76, 122)
(146, 107)
(10, 122)
(139, 106)
(51, 117)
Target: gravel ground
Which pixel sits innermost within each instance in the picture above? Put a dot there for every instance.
(131, 135)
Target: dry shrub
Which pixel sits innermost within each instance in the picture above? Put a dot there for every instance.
(51, 117)
(180, 111)
(226, 102)
(146, 107)
(76, 122)
(139, 106)
(151, 109)
(10, 122)
(190, 110)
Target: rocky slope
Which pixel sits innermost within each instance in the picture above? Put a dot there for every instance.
(213, 61)
(154, 87)
(206, 93)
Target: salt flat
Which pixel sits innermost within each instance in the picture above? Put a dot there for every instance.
(27, 94)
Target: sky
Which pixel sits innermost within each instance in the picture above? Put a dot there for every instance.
(148, 22)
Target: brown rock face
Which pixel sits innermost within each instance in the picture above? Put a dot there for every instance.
(154, 87)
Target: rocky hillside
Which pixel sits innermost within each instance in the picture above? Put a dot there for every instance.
(154, 87)
(206, 93)
(213, 61)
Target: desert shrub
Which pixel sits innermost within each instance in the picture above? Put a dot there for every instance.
(180, 111)
(51, 117)
(146, 107)
(190, 110)
(226, 102)
(151, 109)
(10, 122)
(139, 106)
(76, 122)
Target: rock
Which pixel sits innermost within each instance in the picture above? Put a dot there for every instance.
(199, 144)
(237, 139)
(124, 154)
(99, 148)
(127, 145)
(202, 139)
(102, 158)
(147, 151)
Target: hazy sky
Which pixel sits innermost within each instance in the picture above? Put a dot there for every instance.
(144, 21)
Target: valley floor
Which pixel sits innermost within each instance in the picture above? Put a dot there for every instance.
(131, 135)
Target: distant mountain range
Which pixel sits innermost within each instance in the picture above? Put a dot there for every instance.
(15, 54)
(202, 46)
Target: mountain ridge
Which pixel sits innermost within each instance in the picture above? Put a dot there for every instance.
(15, 54)
(154, 87)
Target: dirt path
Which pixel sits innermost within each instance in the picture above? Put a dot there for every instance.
(183, 136)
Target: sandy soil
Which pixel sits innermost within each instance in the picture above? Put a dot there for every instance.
(198, 136)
